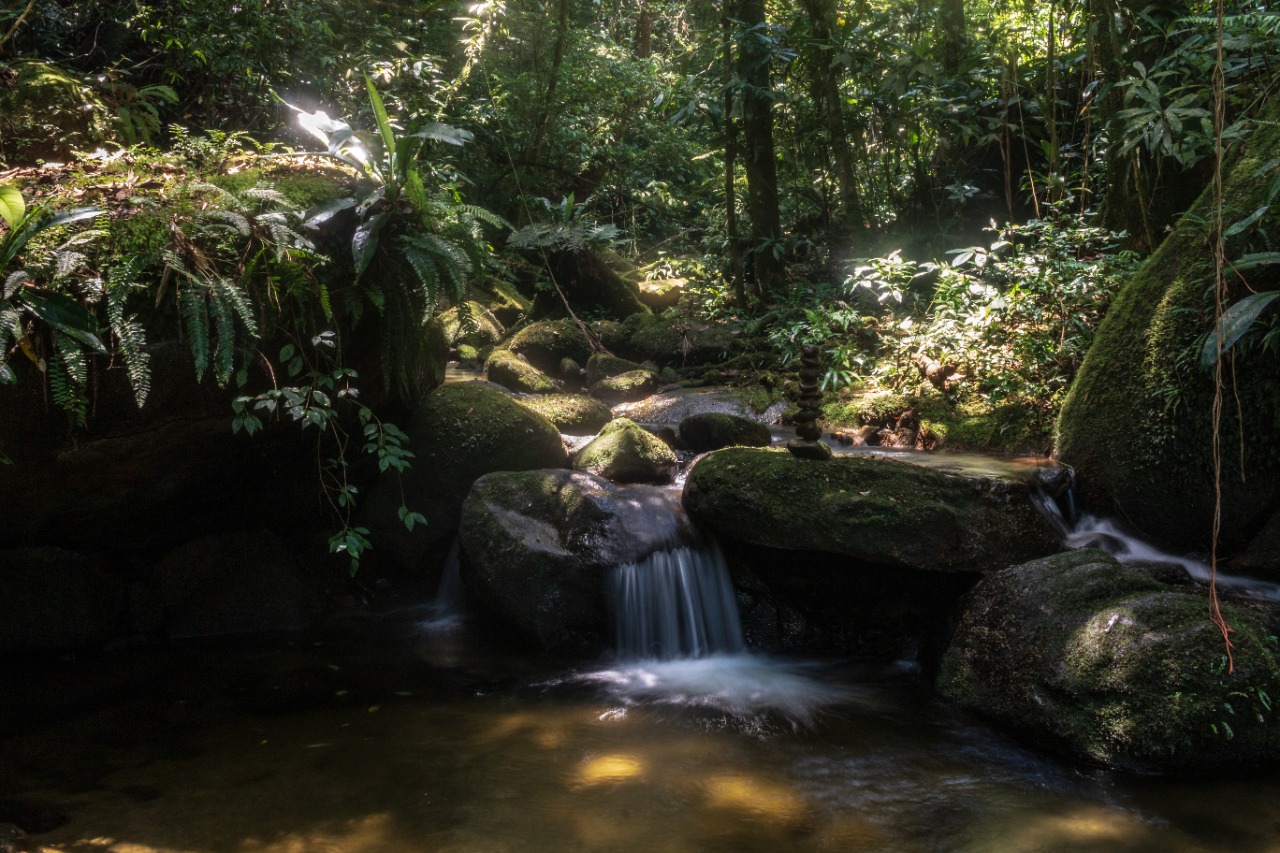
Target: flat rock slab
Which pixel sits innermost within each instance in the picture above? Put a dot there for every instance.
(876, 510)
(673, 405)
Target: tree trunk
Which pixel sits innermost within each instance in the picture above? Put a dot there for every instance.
(952, 21)
(730, 166)
(759, 158)
(822, 23)
(553, 81)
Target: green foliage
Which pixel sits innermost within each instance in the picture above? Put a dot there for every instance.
(568, 228)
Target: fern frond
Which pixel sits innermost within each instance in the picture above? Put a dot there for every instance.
(130, 335)
(193, 306)
(485, 215)
(266, 193)
(230, 293)
(224, 324)
(228, 219)
(428, 273)
(68, 376)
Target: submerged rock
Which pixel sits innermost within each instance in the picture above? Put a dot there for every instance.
(625, 452)
(876, 510)
(714, 430)
(539, 545)
(573, 414)
(1115, 667)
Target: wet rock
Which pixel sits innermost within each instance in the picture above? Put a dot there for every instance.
(625, 452)
(52, 599)
(538, 547)
(573, 414)
(878, 511)
(1113, 667)
(1261, 559)
(625, 387)
(462, 432)
(714, 430)
(236, 583)
(673, 405)
(509, 370)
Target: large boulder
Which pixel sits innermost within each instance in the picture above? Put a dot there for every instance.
(471, 323)
(602, 366)
(573, 414)
(876, 510)
(670, 339)
(462, 432)
(1114, 667)
(538, 547)
(714, 430)
(545, 344)
(54, 599)
(626, 387)
(1137, 425)
(625, 452)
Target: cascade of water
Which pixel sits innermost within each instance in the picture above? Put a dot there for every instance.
(676, 603)
(448, 606)
(1088, 531)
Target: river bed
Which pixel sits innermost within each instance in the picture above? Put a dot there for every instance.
(398, 738)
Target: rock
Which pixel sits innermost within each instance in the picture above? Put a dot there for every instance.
(1137, 423)
(545, 344)
(603, 366)
(669, 339)
(471, 323)
(236, 583)
(627, 453)
(673, 405)
(1261, 559)
(876, 510)
(462, 432)
(625, 387)
(53, 599)
(1114, 667)
(714, 430)
(503, 300)
(511, 371)
(588, 281)
(814, 451)
(573, 414)
(538, 547)
(662, 293)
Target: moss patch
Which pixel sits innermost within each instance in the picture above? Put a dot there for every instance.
(510, 371)
(714, 430)
(573, 414)
(625, 452)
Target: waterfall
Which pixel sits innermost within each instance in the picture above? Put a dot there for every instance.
(676, 603)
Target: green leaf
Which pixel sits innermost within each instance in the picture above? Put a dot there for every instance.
(1235, 321)
(12, 205)
(384, 121)
(7, 376)
(365, 242)
(446, 133)
(1255, 260)
(1243, 224)
(64, 314)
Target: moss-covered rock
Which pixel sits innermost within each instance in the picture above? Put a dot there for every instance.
(625, 452)
(876, 510)
(461, 432)
(1115, 667)
(546, 343)
(502, 298)
(588, 281)
(509, 370)
(539, 546)
(1137, 423)
(714, 430)
(573, 414)
(603, 366)
(661, 294)
(671, 339)
(626, 387)
(471, 323)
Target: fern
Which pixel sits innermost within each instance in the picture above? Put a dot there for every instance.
(129, 333)
(193, 306)
(68, 375)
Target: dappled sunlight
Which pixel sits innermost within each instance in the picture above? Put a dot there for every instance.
(757, 798)
(1087, 829)
(609, 769)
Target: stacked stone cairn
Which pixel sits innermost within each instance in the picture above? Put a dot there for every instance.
(808, 443)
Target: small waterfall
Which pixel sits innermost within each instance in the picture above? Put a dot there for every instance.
(1088, 531)
(676, 603)
(447, 608)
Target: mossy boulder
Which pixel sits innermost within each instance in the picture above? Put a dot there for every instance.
(626, 387)
(625, 452)
(461, 432)
(714, 430)
(545, 344)
(471, 323)
(1114, 667)
(876, 510)
(670, 339)
(506, 368)
(502, 298)
(663, 293)
(1137, 423)
(588, 281)
(539, 546)
(573, 414)
(603, 366)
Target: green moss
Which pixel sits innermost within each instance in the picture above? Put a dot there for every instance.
(627, 453)
(302, 189)
(1114, 666)
(626, 387)
(1136, 424)
(471, 323)
(714, 430)
(573, 414)
(545, 343)
(602, 366)
(510, 371)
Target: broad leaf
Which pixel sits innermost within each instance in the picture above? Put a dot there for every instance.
(64, 314)
(1255, 260)
(1235, 321)
(365, 242)
(12, 206)
(326, 210)
(1243, 224)
(446, 133)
